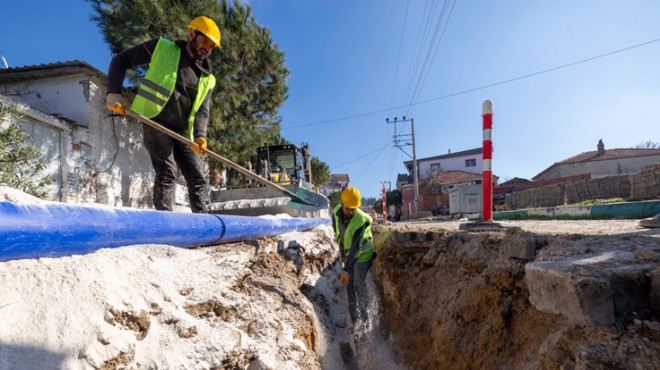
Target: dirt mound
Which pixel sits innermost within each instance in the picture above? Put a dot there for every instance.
(454, 300)
(234, 306)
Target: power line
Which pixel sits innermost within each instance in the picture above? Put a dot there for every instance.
(382, 149)
(366, 155)
(477, 88)
(417, 50)
(426, 68)
(398, 58)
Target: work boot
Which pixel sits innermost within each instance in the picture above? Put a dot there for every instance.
(652, 222)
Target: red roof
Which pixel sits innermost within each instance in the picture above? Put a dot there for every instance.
(603, 155)
(514, 181)
(594, 155)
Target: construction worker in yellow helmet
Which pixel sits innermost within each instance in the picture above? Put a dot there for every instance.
(181, 104)
(353, 235)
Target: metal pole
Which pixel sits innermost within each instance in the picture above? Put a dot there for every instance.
(415, 176)
(384, 204)
(414, 154)
(487, 177)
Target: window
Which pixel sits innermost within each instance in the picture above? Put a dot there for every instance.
(435, 168)
(48, 140)
(471, 162)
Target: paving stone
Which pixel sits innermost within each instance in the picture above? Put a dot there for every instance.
(430, 257)
(630, 287)
(523, 248)
(554, 288)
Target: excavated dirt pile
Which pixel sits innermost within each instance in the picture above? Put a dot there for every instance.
(554, 295)
(545, 299)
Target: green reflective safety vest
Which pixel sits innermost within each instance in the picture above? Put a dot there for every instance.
(159, 82)
(358, 220)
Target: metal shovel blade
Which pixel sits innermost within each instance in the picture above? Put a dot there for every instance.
(347, 345)
(306, 200)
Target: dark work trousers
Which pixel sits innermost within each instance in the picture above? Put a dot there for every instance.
(166, 154)
(358, 297)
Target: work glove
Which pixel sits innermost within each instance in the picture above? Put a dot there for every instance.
(344, 277)
(116, 103)
(200, 145)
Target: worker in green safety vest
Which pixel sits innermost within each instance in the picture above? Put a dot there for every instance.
(353, 235)
(176, 93)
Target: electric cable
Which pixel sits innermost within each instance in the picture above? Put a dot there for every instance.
(366, 155)
(114, 158)
(477, 88)
(398, 58)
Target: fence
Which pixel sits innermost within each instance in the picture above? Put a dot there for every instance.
(639, 186)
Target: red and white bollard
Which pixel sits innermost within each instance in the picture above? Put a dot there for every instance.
(384, 204)
(487, 179)
(487, 224)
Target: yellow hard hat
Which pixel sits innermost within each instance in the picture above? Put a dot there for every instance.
(208, 27)
(351, 198)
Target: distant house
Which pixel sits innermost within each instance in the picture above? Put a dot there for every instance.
(436, 176)
(91, 156)
(338, 182)
(601, 162)
(467, 160)
(446, 180)
(402, 179)
(434, 191)
(516, 181)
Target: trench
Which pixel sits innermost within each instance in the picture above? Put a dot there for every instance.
(517, 300)
(501, 300)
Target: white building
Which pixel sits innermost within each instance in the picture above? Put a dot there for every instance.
(467, 160)
(90, 156)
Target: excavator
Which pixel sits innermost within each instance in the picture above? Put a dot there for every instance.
(286, 165)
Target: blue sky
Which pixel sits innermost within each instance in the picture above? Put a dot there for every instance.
(353, 65)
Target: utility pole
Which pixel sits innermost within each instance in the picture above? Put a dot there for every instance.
(399, 142)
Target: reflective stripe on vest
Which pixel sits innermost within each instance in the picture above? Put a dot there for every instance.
(358, 220)
(159, 82)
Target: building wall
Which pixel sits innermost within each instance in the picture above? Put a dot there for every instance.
(449, 164)
(55, 96)
(642, 185)
(102, 159)
(602, 168)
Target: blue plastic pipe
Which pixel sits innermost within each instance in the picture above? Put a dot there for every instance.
(55, 230)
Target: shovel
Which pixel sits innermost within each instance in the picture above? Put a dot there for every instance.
(302, 199)
(347, 345)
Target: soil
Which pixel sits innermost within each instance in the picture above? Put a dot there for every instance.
(447, 299)
(458, 302)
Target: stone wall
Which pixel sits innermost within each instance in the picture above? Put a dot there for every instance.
(640, 186)
(645, 184)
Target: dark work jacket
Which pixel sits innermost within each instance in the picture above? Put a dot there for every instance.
(175, 113)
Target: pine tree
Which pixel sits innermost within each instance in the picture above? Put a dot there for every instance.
(249, 68)
(320, 172)
(20, 163)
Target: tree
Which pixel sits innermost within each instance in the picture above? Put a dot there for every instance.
(369, 201)
(647, 145)
(20, 163)
(334, 199)
(249, 68)
(320, 172)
